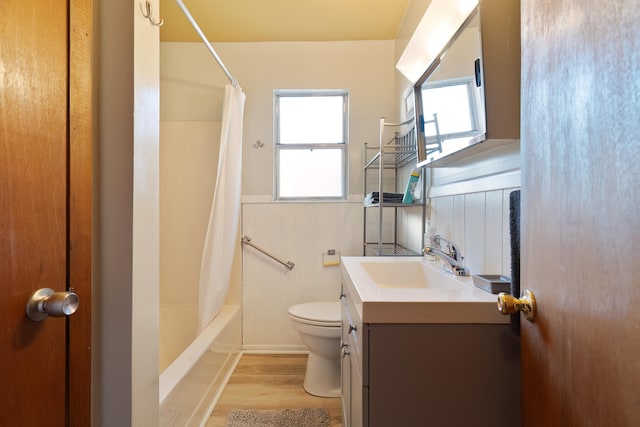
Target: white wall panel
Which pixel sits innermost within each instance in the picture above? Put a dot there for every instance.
(479, 224)
(458, 226)
(473, 241)
(442, 214)
(494, 227)
(301, 233)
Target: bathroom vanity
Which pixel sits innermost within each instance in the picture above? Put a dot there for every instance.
(421, 347)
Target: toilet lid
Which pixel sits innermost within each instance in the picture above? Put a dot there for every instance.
(325, 312)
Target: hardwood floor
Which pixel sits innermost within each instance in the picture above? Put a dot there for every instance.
(267, 381)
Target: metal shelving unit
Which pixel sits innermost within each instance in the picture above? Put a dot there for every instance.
(385, 160)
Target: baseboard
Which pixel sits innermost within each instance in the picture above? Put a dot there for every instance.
(274, 349)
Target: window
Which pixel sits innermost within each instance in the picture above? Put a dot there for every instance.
(454, 103)
(449, 116)
(311, 139)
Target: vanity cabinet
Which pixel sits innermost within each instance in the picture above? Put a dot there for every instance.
(423, 374)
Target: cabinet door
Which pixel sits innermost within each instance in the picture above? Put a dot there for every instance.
(352, 387)
(356, 394)
(346, 390)
(345, 372)
(444, 375)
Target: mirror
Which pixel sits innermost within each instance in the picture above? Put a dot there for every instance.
(449, 97)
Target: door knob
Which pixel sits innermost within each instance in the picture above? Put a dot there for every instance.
(45, 302)
(508, 304)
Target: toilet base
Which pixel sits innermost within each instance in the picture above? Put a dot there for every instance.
(322, 377)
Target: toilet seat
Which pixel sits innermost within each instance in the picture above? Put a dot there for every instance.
(324, 313)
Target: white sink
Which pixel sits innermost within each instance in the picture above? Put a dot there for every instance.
(404, 274)
(414, 290)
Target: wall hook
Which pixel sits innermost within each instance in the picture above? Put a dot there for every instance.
(147, 14)
(258, 144)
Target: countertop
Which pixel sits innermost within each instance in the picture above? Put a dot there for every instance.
(449, 299)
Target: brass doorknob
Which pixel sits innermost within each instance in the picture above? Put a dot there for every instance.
(508, 304)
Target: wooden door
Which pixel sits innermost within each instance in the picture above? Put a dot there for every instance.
(45, 209)
(580, 221)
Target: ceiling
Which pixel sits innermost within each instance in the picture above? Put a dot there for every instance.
(283, 20)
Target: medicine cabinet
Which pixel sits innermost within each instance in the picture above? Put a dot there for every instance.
(471, 92)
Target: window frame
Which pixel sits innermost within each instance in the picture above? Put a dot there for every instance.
(342, 146)
(472, 103)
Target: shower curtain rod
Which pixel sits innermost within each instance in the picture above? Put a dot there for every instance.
(193, 22)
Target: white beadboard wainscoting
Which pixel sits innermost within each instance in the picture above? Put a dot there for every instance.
(297, 232)
(469, 204)
(479, 224)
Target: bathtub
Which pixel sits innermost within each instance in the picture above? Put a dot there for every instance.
(191, 385)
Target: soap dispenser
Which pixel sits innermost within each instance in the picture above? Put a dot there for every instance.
(428, 236)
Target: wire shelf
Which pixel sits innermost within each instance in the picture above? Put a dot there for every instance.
(397, 152)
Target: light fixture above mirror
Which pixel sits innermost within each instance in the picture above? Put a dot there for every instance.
(439, 24)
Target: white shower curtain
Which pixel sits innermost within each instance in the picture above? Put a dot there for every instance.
(222, 231)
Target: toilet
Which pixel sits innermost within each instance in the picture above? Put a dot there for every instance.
(318, 324)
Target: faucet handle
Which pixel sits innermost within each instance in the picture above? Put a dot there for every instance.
(452, 249)
(460, 271)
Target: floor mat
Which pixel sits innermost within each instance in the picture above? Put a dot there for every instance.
(301, 417)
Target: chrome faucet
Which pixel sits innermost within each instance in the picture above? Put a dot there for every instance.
(449, 254)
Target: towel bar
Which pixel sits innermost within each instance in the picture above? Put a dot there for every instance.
(247, 241)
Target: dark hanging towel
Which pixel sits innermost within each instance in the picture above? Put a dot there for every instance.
(514, 231)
